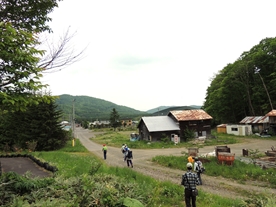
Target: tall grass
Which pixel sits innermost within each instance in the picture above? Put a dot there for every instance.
(238, 170)
(82, 178)
(78, 164)
(148, 190)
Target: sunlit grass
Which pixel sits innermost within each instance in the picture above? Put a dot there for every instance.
(117, 138)
(153, 192)
(238, 171)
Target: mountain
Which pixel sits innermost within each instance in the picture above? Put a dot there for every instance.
(91, 109)
(164, 110)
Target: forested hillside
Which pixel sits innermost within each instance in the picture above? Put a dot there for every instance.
(245, 87)
(165, 109)
(90, 109)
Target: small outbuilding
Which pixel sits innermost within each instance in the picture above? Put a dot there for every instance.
(153, 128)
(258, 123)
(240, 130)
(221, 128)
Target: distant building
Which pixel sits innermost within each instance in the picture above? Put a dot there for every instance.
(152, 128)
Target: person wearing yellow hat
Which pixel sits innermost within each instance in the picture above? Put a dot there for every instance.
(190, 159)
(190, 181)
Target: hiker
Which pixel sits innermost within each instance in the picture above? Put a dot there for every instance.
(198, 168)
(129, 157)
(190, 159)
(104, 151)
(125, 152)
(189, 181)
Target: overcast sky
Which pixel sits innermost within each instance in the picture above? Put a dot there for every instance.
(145, 54)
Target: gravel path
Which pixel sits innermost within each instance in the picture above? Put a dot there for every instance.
(213, 185)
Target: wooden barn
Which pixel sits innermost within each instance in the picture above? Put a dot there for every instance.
(153, 128)
(197, 120)
(272, 120)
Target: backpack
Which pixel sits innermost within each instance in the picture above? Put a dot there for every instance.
(200, 167)
(129, 154)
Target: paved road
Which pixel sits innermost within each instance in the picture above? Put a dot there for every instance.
(22, 165)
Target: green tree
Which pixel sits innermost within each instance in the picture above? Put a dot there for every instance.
(39, 123)
(18, 71)
(20, 24)
(115, 119)
(28, 15)
(238, 91)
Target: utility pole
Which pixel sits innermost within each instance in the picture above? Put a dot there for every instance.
(73, 121)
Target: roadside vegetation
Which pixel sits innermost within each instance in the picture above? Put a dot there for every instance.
(238, 171)
(84, 180)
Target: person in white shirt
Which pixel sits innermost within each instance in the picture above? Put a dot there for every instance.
(198, 169)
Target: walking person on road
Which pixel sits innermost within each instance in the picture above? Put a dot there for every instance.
(129, 157)
(104, 151)
(123, 149)
(198, 168)
(190, 180)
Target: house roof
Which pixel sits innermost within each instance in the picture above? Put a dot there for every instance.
(271, 113)
(190, 115)
(222, 126)
(255, 120)
(159, 123)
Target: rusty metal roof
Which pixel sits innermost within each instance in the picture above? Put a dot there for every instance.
(255, 120)
(190, 115)
(271, 113)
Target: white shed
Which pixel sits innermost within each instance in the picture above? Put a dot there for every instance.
(240, 130)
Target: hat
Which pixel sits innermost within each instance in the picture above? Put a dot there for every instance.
(189, 165)
(103, 144)
(196, 158)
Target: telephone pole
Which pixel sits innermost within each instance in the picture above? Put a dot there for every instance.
(73, 121)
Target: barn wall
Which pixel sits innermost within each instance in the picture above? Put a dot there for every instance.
(201, 127)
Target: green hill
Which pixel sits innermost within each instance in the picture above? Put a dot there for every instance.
(164, 110)
(90, 109)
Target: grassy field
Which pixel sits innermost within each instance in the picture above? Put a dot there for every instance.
(117, 138)
(84, 180)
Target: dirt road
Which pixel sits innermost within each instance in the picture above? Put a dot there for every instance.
(142, 164)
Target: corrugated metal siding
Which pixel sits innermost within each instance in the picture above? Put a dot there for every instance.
(160, 123)
(190, 115)
(255, 120)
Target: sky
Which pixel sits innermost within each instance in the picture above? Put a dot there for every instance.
(150, 53)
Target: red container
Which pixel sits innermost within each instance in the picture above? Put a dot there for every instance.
(225, 157)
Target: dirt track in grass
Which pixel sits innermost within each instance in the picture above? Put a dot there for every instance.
(214, 185)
